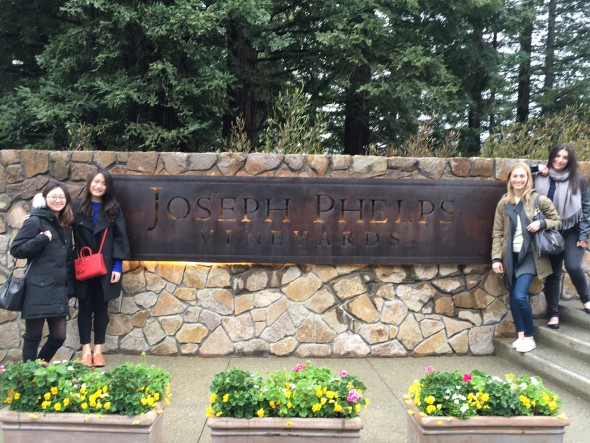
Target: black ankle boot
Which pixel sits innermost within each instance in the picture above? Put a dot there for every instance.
(30, 347)
(50, 348)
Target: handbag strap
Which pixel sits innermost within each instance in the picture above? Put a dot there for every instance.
(14, 268)
(538, 213)
(103, 238)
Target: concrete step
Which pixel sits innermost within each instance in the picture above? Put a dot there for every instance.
(572, 312)
(562, 356)
(551, 364)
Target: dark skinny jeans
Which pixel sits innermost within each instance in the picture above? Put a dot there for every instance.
(93, 313)
(573, 265)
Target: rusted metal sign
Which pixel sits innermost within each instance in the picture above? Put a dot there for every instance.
(308, 220)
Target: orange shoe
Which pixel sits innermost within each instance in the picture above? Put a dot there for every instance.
(99, 360)
(86, 359)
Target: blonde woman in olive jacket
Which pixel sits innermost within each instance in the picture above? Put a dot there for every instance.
(514, 252)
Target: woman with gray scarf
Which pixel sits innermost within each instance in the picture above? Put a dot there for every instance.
(563, 183)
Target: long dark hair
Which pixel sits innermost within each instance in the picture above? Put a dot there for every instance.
(572, 163)
(65, 217)
(110, 204)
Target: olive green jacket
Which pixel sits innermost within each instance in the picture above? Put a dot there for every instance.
(502, 235)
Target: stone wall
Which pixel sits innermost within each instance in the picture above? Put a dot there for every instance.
(214, 310)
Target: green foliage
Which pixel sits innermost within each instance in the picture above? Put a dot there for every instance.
(534, 138)
(70, 386)
(291, 128)
(442, 393)
(236, 393)
(305, 391)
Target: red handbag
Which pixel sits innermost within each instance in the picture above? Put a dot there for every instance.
(89, 265)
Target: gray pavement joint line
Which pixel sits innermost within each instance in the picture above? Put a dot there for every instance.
(401, 402)
(205, 422)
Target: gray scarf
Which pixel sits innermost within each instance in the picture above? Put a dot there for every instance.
(568, 204)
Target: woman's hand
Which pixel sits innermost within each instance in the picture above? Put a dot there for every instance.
(498, 267)
(543, 170)
(115, 277)
(534, 226)
(48, 234)
(582, 244)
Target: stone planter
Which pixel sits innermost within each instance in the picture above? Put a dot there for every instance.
(26, 427)
(484, 429)
(273, 430)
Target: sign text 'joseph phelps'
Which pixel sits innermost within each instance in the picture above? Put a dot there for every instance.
(295, 220)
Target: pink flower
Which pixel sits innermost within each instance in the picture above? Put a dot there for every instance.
(353, 396)
(298, 368)
(430, 369)
(467, 377)
(2, 368)
(343, 373)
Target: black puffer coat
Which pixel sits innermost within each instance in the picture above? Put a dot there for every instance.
(116, 247)
(50, 279)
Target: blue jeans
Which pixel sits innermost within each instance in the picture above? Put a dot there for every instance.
(522, 313)
(573, 265)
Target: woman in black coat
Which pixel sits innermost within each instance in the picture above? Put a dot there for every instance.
(98, 214)
(45, 240)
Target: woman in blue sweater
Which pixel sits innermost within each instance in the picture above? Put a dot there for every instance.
(98, 215)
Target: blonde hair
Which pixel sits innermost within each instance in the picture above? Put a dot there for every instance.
(529, 184)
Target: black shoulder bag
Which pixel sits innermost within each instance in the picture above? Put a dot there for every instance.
(548, 241)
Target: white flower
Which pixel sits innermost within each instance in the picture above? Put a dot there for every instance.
(534, 381)
(456, 401)
(464, 408)
(523, 386)
(70, 368)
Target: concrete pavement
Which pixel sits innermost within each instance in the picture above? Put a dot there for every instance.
(386, 379)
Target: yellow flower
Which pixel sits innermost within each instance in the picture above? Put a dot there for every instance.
(107, 405)
(47, 396)
(331, 394)
(210, 411)
(213, 398)
(338, 407)
(411, 412)
(260, 412)
(552, 405)
(316, 407)
(323, 401)
(289, 424)
(226, 398)
(218, 414)
(430, 409)
(66, 401)
(439, 423)
(272, 404)
(84, 405)
(57, 406)
(357, 407)
(288, 394)
(289, 405)
(53, 390)
(16, 395)
(319, 392)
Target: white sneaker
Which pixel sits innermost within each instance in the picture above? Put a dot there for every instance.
(516, 343)
(526, 346)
